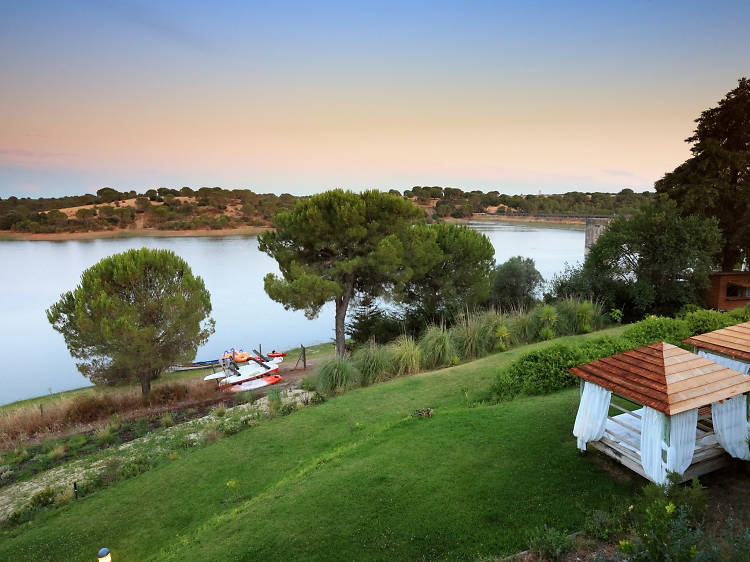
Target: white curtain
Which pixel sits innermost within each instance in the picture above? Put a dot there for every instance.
(591, 418)
(652, 444)
(656, 456)
(739, 366)
(731, 427)
(682, 431)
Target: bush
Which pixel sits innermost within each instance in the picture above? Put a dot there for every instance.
(405, 356)
(740, 314)
(545, 370)
(549, 543)
(544, 321)
(335, 375)
(275, 401)
(288, 408)
(373, 362)
(655, 329)
(703, 321)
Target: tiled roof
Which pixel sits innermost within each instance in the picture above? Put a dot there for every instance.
(733, 341)
(665, 377)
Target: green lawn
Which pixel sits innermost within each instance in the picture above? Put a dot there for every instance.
(355, 478)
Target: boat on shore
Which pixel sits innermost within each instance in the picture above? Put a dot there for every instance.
(256, 372)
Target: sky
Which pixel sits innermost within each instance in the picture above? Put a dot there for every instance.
(300, 97)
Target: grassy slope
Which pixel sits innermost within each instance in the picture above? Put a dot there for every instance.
(355, 478)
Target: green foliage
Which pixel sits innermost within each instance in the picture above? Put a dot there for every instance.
(545, 370)
(458, 264)
(335, 375)
(373, 362)
(702, 321)
(740, 314)
(657, 328)
(405, 356)
(516, 283)
(714, 182)
(667, 520)
(288, 408)
(133, 315)
(655, 261)
(370, 322)
(602, 524)
(474, 334)
(275, 399)
(549, 543)
(337, 244)
(544, 322)
(436, 347)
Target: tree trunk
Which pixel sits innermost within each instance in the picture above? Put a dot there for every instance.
(342, 304)
(145, 384)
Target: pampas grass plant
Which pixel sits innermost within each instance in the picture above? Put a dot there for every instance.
(436, 348)
(373, 362)
(405, 356)
(334, 375)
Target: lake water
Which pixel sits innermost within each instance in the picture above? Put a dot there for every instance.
(34, 274)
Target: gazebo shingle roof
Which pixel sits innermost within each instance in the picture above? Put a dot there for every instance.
(665, 377)
(733, 341)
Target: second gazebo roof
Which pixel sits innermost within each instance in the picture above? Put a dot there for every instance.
(733, 341)
(664, 377)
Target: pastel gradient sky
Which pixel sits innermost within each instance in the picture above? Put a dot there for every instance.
(304, 96)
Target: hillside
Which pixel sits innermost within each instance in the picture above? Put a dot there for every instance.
(357, 477)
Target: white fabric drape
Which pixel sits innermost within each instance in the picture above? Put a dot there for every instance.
(739, 366)
(656, 456)
(731, 427)
(592, 414)
(652, 444)
(682, 440)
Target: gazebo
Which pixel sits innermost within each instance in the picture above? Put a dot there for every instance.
(692, 412)
(729, 346)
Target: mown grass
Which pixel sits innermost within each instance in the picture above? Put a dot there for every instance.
(355, 478)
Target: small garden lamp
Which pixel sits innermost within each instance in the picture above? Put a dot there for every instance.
(104, 555)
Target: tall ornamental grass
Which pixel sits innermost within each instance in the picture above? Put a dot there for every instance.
(474, 335)
(335, 375)
(373, 362)
(436, 348)
(405, 356)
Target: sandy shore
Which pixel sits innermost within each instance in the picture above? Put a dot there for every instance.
(573, 221)
(133, 233)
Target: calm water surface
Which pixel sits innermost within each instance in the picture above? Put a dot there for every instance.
(34, 274)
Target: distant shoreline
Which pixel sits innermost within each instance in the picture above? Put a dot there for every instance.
(572, 221)
(250, 230)
(131, 233)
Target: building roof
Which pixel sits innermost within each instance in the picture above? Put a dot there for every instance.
(665, 377)
(733, 341)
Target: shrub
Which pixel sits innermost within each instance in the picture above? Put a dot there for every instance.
(545, 370)
(549, 543)
(42, 499)
(436, 348)
(104, 435)
(288, 408)
(703, 321)
(667, 520)
(405, 356)
(167, 420)
(544, 321)
(657, 328)
(373, 362)
(740, 314)
(474, 334)
(334, 375)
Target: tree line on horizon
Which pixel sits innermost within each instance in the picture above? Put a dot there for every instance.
(207, 207)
